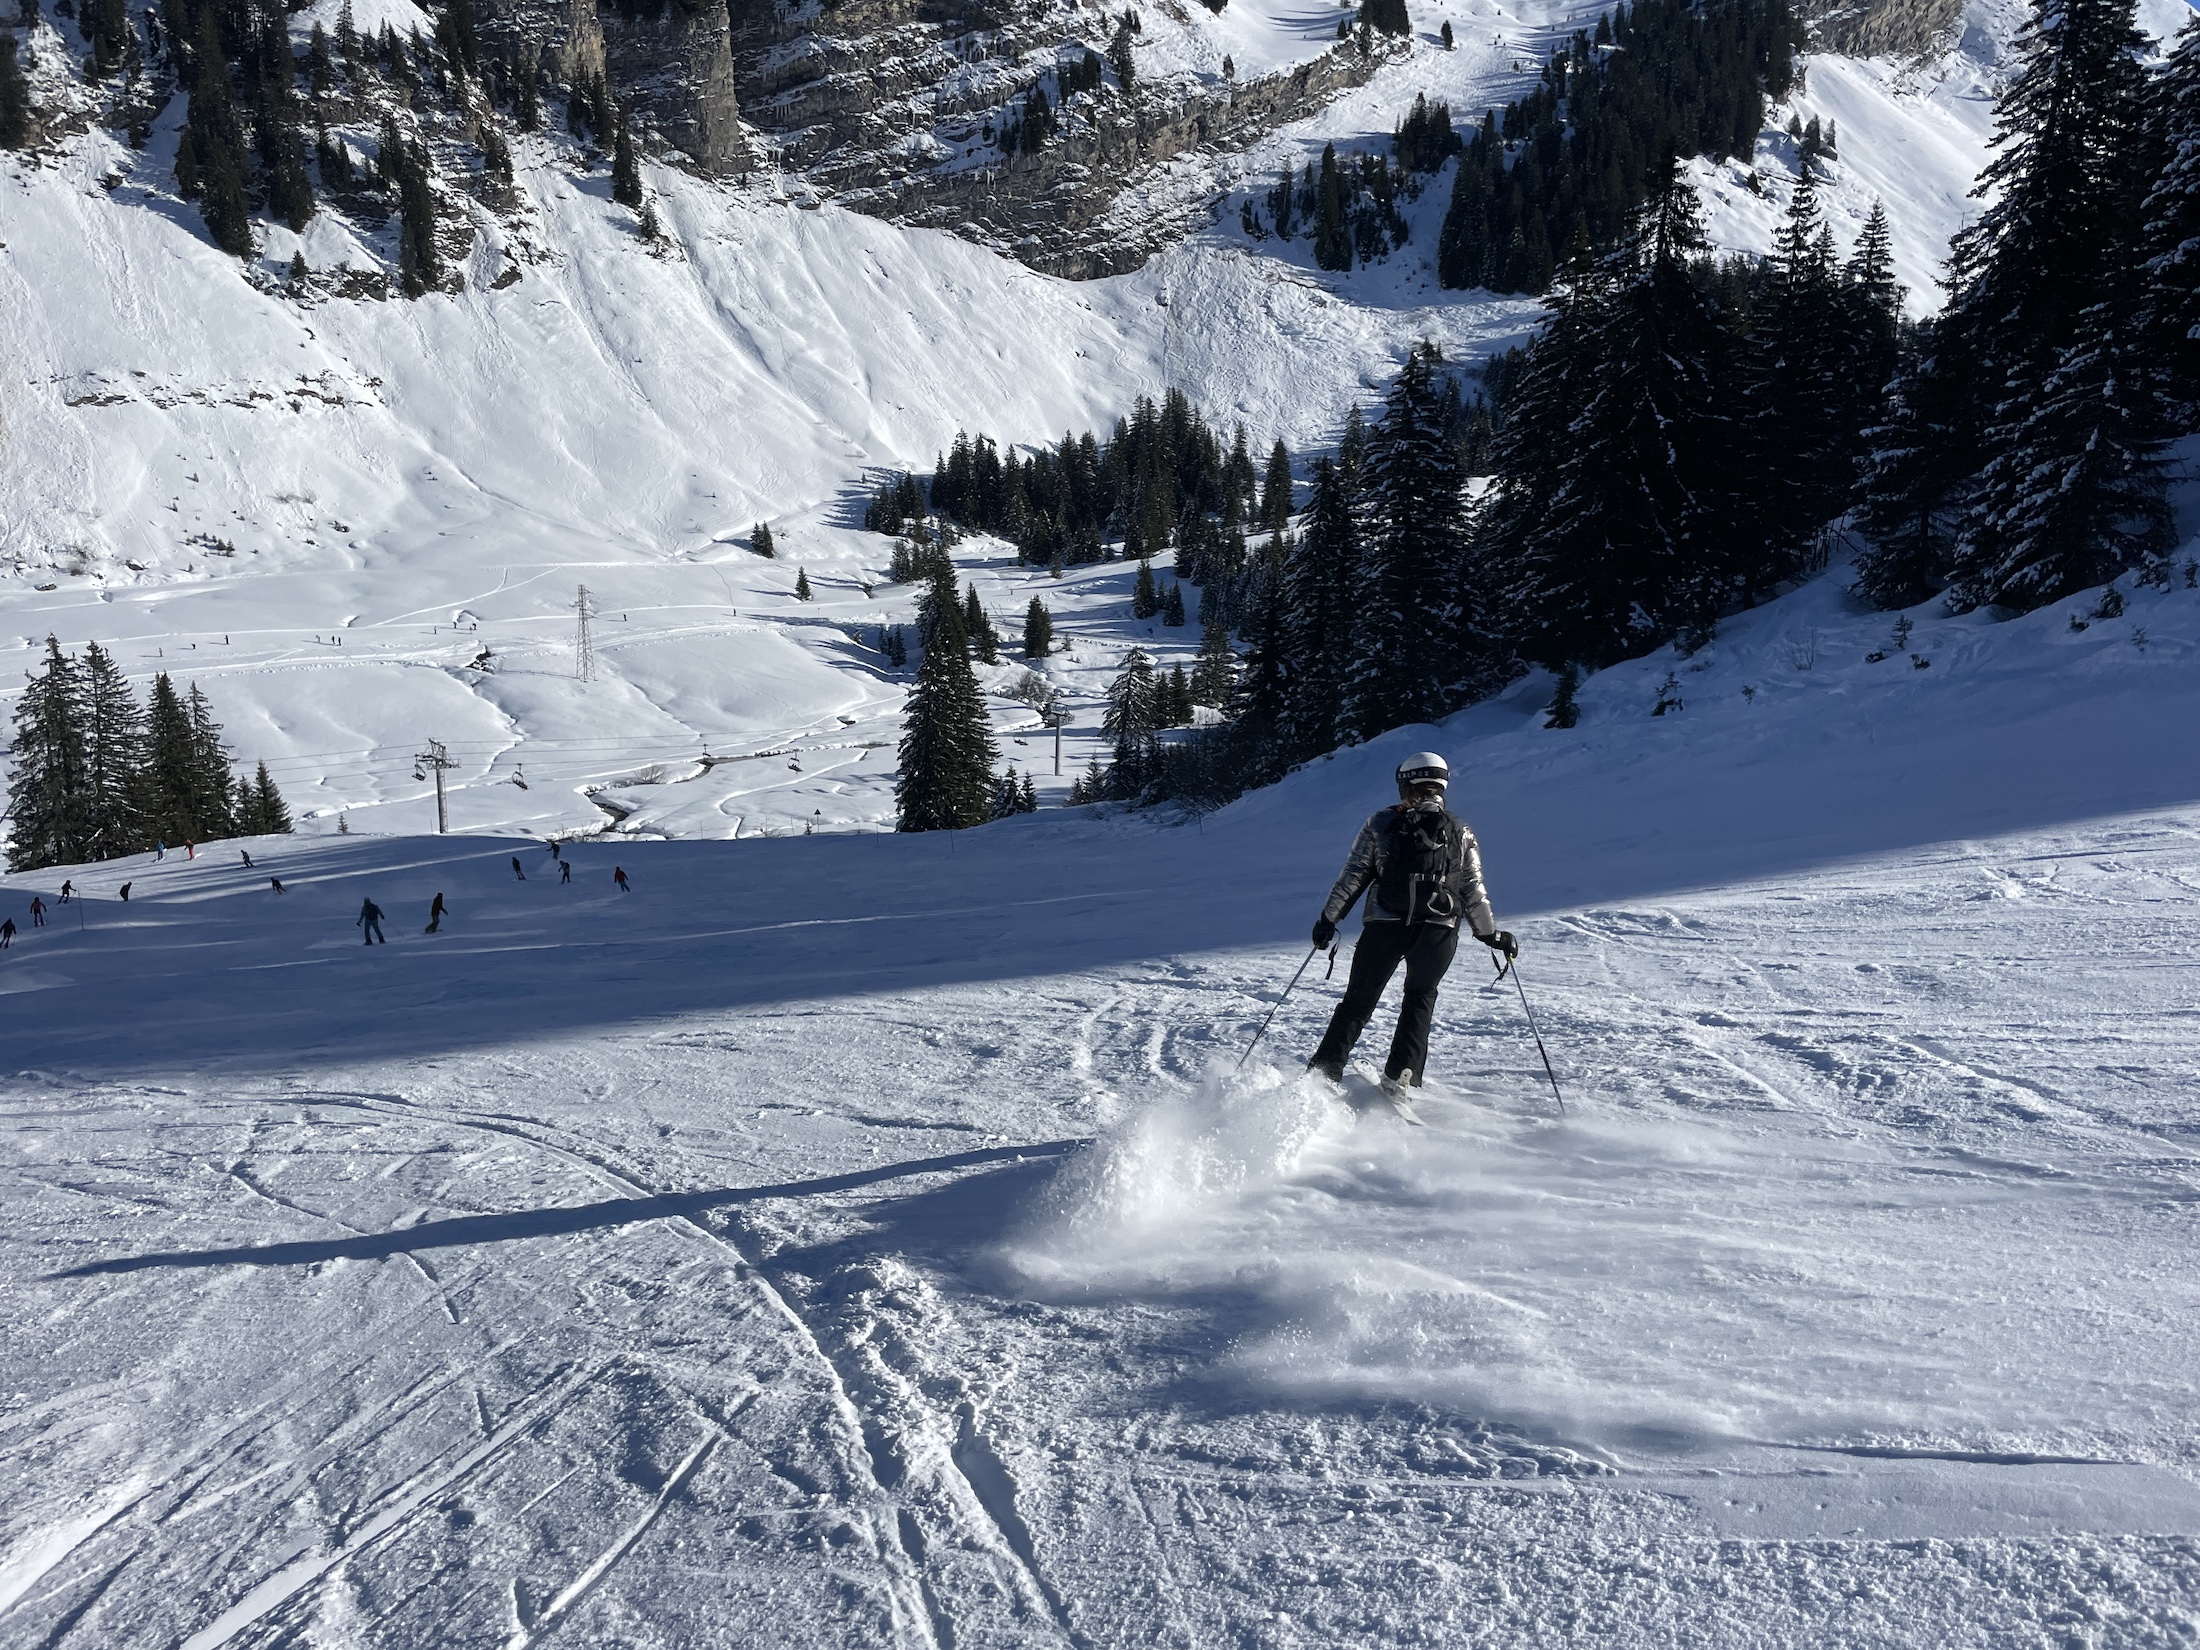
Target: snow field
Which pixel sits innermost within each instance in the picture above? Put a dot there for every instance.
(863, 1239)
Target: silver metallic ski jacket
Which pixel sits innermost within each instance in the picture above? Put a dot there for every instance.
(1363, 868)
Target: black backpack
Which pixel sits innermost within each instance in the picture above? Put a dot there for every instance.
(1424, 853)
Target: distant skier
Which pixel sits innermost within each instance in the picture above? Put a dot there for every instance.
(190, 850)
(126, 893)
(68, 891)
(38, 912)
(7, 933)
(618, 875)
(160, 852)
(435, 916)
(370, 923)
(247, 859)
(516, 871)
(552, 845)
(1422, 871)
(565, 870)
(276, 883)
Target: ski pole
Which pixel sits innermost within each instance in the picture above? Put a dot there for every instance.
(1279, 1002)
(1511, 965)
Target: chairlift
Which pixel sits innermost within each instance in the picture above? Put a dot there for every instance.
(519, 775)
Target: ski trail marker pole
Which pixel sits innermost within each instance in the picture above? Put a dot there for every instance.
(1279, 1002)
(1511, 965)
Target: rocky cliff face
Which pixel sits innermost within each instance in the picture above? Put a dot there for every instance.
(669, 65)
(898, 109)
(1881, 28)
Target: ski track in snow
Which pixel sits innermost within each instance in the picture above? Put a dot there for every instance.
(773, 1275)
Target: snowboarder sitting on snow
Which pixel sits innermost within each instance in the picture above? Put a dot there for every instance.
(1422, 871)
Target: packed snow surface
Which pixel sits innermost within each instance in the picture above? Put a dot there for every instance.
(871, 1239)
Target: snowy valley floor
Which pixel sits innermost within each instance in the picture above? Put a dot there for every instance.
(859, 1241)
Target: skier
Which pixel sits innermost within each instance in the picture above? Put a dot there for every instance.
(7, 933)
(435, 916)
(516, 871)
(370, 922)
(618, 875)
(160, 852)
(38, 912)
(68, 890)
(276, 883)
(126, 893)
(247, 859)
(1422, 871)
(565, 871)
(190, 850)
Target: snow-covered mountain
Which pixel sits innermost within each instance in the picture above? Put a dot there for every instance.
(324, 508)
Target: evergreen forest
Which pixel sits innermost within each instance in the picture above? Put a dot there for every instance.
(1685, 436)
(1568, 164)
(97, 775)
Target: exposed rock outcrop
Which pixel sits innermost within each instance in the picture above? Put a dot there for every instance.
(669, 65)
(897, 109)
(1881, 28)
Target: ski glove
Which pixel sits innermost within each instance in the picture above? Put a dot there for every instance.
(1501, 941)
(1324, 932)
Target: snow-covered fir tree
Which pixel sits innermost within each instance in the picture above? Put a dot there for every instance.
(947, 753)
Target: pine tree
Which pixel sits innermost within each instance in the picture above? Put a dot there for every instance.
(1412, 655)
(213, 783)
(1214, 676)
(320, 64)
(2073, 493)
(263, 808)
(760, 540)
(985, 641)
(115, 755)
(347, 39)
(15, 97)
(278, 129)
(1027, 799)
(1038, 630)
(1615, 525)
(1315, 620)
(106, 24)
(801, 584)
(1275, 492)
(947, 751)
(1915, 475)
(626, 171)
(1133, 713)
(1177, 699)
(210, 160)
(49, 781)
(1332, 235)
(419, 263)
(1145, 595)
(2170, 298)
(2059, 237)
(1172, 605)
(1564, 712)
(1800, 436)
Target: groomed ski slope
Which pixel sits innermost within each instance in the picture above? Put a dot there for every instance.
(863, 1240)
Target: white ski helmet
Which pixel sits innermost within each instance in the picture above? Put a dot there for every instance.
(1424, 768)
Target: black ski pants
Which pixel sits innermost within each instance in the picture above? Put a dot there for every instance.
(1426, 950)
